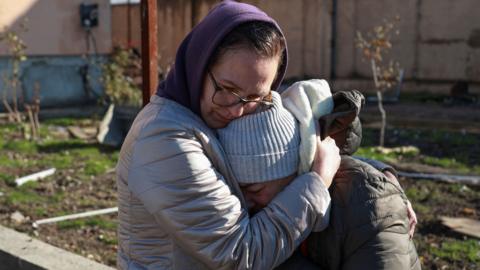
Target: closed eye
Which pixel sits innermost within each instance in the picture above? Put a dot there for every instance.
(254, 188)
(230, 89)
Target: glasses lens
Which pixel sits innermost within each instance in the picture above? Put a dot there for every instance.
(225, 98)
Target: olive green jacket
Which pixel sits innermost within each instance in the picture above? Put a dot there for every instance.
(368, 220)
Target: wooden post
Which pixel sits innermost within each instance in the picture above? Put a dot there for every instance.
(149, 48)
(129, 25)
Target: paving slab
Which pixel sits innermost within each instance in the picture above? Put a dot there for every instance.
(19, 251)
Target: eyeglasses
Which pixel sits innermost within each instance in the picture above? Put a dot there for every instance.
(226, 98)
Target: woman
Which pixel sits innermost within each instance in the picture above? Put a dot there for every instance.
(179, 204)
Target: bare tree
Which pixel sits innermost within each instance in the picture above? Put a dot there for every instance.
(12, 81)
(12, 97)
(32, 110)
(374, 45)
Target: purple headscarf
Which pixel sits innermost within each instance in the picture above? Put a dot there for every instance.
(184, 81)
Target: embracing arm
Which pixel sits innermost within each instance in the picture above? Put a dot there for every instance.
(178, 185)
(391, 174)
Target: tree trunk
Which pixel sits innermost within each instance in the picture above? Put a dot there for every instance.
(380, 103)
(384, 117)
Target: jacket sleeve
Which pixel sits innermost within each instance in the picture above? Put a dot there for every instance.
(179, 186)
(376, 223)
(378, 165)
(387, 250)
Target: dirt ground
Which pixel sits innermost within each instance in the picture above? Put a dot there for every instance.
(85, 181)
(94, 238)
(438, 246)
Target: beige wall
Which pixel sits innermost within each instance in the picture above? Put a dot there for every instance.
(174, 22)
(54, 26)
(308, 36)
(306, 25)
(120, 25)
(439, 39)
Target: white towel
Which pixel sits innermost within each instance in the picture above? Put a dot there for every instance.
(308, 101)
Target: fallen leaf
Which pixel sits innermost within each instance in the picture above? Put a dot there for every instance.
(468, 211)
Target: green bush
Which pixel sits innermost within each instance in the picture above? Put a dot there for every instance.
(119, 88)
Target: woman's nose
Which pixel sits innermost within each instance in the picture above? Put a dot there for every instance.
(236, 111)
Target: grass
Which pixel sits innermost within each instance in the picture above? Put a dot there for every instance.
(99, 165)
(97, 162)
(458, 146)
(80, 165)
(398, 154)
(17, 197)
(60, 122)
(22, 146)
(61, 154)
(25, 194)
(440, 137)
(7, 178)
(19, 157)
(108, 240)
(421, 209)
(458, 250)
(40, 211)
(422, 96)
(463, 190)
(451, 163)
(7, 161)
(62, 160)
(417, 194)
(86, 202)
(90, 222)
(84, 161)
(389, 155)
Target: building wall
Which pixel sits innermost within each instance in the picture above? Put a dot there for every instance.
(174, 23)
(306, 25)
(126, 31)
(308, 37)
(62, 80)
(439, 40)
(56, 48)
(54, 26)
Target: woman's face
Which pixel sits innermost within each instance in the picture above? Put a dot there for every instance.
(240, 71)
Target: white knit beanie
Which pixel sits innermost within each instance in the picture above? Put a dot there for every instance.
(262, 146)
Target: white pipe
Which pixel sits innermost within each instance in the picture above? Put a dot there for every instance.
(464, 179)
(34, 177)
(75, 216)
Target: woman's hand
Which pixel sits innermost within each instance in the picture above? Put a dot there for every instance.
(412, 217)
(327, 160)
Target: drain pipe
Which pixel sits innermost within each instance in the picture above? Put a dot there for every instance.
(333, 43)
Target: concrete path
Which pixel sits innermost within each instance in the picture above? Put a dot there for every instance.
(19, 251)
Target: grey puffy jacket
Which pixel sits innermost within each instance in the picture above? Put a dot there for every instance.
(180, 207)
